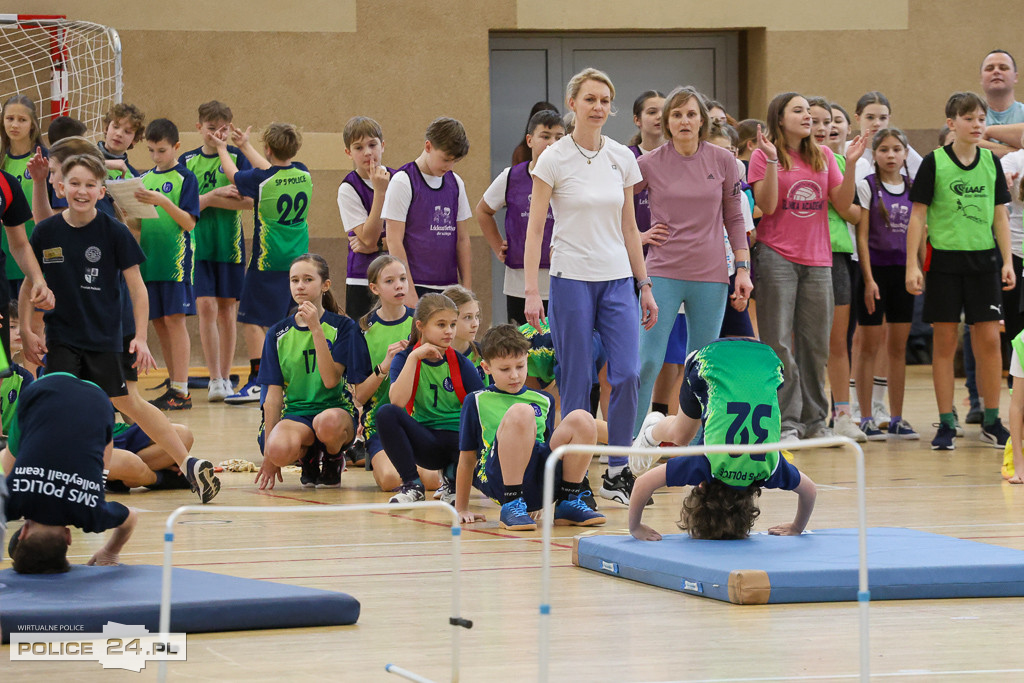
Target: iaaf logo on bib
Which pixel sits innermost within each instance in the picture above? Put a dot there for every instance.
(804, 199)
(960, 187)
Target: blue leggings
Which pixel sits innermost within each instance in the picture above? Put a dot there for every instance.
(705, 308)
(578, 308)
(407, 443)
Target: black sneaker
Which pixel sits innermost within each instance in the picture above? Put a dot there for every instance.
(310, 464)
(945, 438)
(356, 453)
(995, 434)
(330, 476)
(587, 494)
(974, 416)
(204, 481)
(170, 479)
(172, 400)
(619, 488)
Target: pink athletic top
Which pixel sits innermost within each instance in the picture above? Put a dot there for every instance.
(693, 196)
(798, 230)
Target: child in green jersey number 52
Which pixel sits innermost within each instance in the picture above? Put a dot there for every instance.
(506, 434)
(960, 192)
(309, 359)
(731, 388)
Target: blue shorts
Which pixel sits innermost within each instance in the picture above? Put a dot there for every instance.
(675, 352)
(170, 298)
(266, 297)
(488, 480)
(302, 419)
(132, 439)
(218, 279)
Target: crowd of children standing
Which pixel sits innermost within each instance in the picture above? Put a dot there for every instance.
(642, 255)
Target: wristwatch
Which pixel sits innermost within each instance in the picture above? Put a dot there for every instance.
(743, 264)
(646, 281)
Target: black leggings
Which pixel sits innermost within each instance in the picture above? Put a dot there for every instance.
(434, 449)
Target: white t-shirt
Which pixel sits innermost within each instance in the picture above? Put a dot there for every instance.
(586, 199)
(1015, 368)
(1013, 163)
(864, 191)
(515, 279)
(350, 206)
(399, 196)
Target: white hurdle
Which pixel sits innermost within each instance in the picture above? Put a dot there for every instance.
(456, 621)
(848, 445)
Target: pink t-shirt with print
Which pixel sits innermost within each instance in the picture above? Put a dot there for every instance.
(798, 230)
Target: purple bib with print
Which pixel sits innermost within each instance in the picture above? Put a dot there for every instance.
(431, 229)
(887, 243)
(517, 215)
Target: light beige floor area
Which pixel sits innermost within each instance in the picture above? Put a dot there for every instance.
(603, 628)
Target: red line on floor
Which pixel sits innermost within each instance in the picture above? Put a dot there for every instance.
(413, 519)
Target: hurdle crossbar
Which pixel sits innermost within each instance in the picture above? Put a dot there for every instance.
(847, 445)
(455, 620)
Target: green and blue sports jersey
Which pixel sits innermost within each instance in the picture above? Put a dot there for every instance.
(18, 167)
(10, 389)
(282, 195)
(842, 243)
(477, 360)
(732, 386)
(167, 246)
(289, 361)
(379, 336)
(436, 404)
(218, 232)
(540, 362)
(483, 411)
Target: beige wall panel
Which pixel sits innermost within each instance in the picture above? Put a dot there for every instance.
(304, 16)
(778, 15)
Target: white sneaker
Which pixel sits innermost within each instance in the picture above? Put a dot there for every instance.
(844, 426)
(789, 436)
(219, 390)
(881, 414)
(641, 462)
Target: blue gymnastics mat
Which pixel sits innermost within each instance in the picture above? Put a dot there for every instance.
(86, 598)
(821, 566)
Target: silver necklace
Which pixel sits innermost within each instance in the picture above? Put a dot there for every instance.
(584, 154)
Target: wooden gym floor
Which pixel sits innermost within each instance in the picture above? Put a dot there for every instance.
(603, 629)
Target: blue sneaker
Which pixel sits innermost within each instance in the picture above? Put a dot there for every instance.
(945, 438)
(902, 430)
(574, 512)
(515, 518)
(871, 431)
(250, 393)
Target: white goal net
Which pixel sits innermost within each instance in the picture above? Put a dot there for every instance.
(68, 68)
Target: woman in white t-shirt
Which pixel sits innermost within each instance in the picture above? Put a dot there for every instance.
(793, 256)
(588, 179)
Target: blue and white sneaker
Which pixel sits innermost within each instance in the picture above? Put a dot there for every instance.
(515, 518)
(902, 430)
(250, 393)
(574, 512)
(871, 431)
(408, 493)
